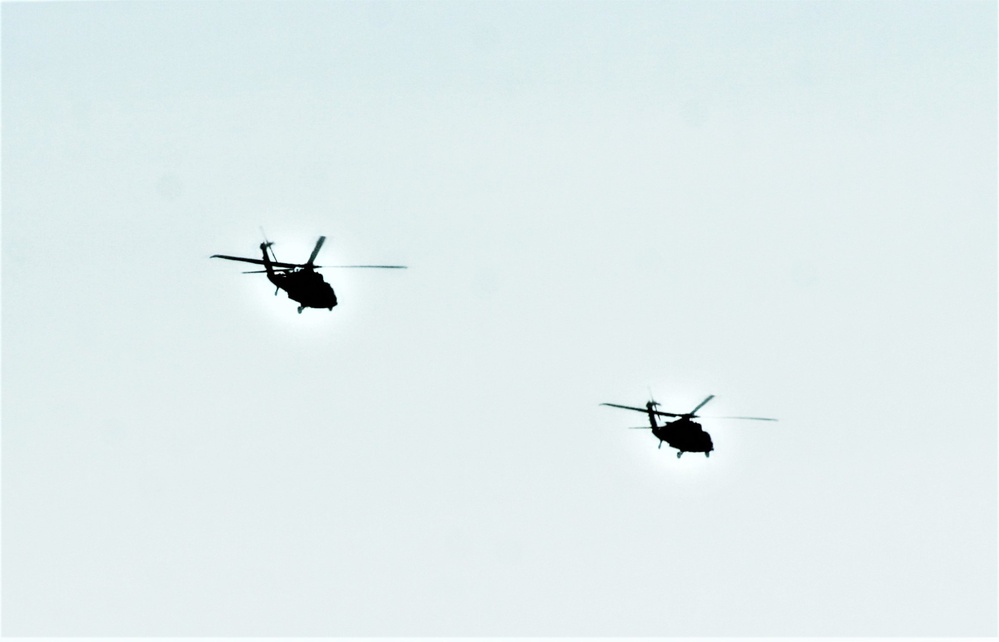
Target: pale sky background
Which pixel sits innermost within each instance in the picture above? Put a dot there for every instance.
(789, 205)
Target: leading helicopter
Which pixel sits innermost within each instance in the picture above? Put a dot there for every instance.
(300, 280)
(683, 433)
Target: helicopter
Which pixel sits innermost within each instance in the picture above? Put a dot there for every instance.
(683, 433)
(300, 280)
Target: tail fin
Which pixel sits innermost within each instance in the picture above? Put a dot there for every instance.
(268, 266)
(264, 247)
(650, 407)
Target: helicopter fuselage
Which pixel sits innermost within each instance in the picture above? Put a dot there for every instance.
(305, 286)
(683, 434)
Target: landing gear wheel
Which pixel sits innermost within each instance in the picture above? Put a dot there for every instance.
(300, 308)
(678, 454)
(707, 453)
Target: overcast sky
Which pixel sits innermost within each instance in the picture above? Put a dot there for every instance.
(791, 206)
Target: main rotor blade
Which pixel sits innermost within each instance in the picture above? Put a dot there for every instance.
(387, 267)
(639, 427)
(655, 412)
(321, 267)
(701, 405)
(315, 250)
(614, 405)
(751, 418)
(257, 261)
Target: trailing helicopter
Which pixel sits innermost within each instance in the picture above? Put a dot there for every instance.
(683, 433)
(300, 280)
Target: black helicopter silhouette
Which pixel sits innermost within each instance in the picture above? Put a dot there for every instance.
(683, 433)
(300, 280)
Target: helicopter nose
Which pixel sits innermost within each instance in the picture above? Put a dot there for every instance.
(329, 297)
